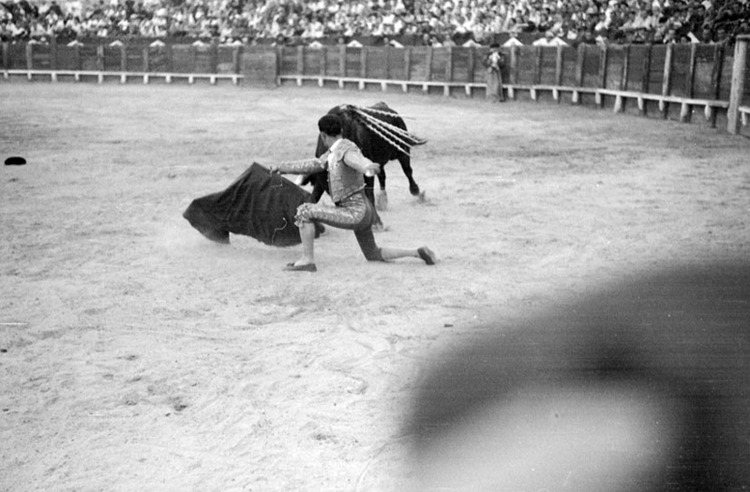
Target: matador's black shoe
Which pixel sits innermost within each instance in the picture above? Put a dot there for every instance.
(427, 255)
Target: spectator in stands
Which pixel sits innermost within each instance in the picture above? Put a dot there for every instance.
(659, 22)
(587, 36)
(601, 24)
(670, 37)
(38, 32)
(696, 16)
(722, 36)
(623, 21)
(641, 21)
(629, 23)
(572, 34)
(520, 23)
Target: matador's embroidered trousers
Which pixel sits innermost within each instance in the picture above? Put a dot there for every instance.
(353, 212)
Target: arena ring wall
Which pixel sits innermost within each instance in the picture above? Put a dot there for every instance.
(697, 83)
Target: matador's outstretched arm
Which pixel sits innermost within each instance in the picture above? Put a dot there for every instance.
(304, 166)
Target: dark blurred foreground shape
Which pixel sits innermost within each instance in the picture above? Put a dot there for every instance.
(641, 386)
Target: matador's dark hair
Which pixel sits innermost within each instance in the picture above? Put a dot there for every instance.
(330, 124)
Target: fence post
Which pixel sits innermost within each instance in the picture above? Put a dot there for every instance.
(100, 58)
(559, 66)
(580, 59)
(342, 60)
(77, 57)
(387, 61)
(472, 63)
(666, 86)
(449, 65)
(29, 57)
(6, 57)
(124, 58)
(691, 71)
(513, 64)
(645, 79)
(279, 50)
(301, 60)
(214, 56)
(323, 61)
(170, 57)
(428, 68)
(236, 56)
(619, 100)
(687, 109)
(53, 53)
(738, 84)
(146, 64)
(625, 69)
(603, 63)
(407, 62)
(363, 59)
(716, 69)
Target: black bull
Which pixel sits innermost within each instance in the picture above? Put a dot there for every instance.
(373, 146)
(640, 386)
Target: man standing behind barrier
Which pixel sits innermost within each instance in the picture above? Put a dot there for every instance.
(346, 168)
(495, 61)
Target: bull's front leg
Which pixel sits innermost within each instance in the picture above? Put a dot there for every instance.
(317, 193)
(405, 162)
(381, 201)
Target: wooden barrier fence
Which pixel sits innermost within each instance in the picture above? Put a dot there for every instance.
(669, 79)
(120, 61)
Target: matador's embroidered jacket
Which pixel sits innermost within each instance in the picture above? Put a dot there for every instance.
(345, 164)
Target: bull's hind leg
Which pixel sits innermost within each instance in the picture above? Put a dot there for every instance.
(413, 186)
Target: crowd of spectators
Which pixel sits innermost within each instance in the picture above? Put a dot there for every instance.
(432, 22)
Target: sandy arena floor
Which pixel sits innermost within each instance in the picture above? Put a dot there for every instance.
(138, 356)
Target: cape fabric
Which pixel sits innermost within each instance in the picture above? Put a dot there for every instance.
(257, 204)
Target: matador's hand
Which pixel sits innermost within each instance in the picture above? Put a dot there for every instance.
(372, 169)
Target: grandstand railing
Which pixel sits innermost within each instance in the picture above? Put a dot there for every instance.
(667, 80)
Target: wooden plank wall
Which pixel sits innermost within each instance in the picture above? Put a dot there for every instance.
(689, 71)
